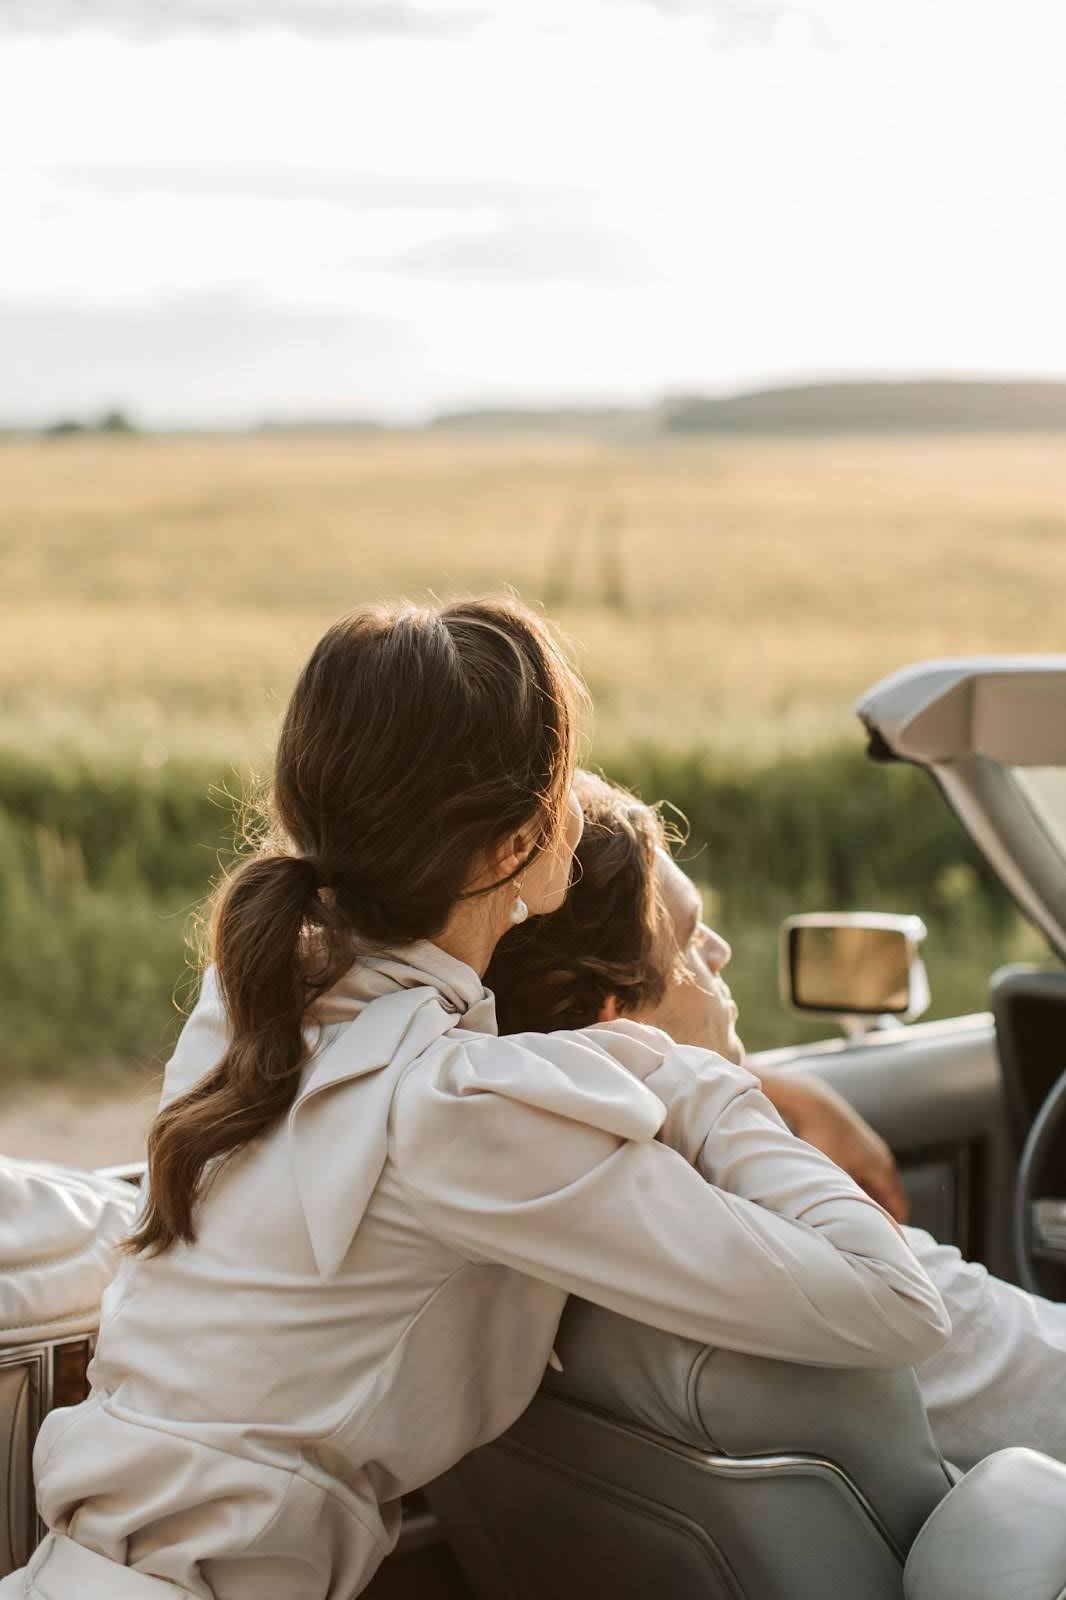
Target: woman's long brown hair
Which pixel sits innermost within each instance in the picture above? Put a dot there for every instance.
(416, 739)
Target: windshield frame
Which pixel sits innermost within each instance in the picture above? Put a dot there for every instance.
(972, 724)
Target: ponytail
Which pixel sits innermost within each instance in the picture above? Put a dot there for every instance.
(267, 923)
(416, 739)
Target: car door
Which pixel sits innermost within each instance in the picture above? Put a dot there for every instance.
(955, 1098)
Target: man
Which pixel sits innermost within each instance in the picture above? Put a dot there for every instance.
(630, 941)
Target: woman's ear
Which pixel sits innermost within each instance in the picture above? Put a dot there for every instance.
(513, 853)
(609, 1011)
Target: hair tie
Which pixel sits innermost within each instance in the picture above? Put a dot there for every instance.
(312, 870)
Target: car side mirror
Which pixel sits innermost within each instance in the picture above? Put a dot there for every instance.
(861, 968)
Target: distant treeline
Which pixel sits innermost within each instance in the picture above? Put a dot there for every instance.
(876, 408)
(854, 407)
(109, 422)
(918, 406)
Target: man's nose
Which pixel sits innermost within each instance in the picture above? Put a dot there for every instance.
(716, 952)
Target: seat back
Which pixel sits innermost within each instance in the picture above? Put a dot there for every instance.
(654, 1465)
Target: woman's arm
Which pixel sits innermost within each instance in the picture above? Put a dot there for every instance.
(724, 1228)
(818, 1114)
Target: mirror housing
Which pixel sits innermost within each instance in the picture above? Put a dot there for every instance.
(862, 968)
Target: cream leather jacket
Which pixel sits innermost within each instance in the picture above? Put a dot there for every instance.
(377, 1283)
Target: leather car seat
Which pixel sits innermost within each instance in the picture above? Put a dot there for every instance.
(1000, 1535)
(654, 1465)
(58, 1230)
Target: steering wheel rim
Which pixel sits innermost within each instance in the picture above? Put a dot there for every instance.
(1034, 1149)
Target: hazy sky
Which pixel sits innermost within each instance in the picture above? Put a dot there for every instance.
(224, 209)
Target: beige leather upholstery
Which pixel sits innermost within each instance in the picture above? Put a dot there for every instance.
(999, 1535)
(58, 1230)
(652, 1465)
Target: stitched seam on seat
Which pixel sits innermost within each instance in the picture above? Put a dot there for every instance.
(57, 1261)
(692, 1395)
(48, 1322)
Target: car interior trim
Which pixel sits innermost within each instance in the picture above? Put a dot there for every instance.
(740, 1467)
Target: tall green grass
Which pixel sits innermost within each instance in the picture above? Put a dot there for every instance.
(103, 864)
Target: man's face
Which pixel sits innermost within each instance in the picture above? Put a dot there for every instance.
(697, 1007)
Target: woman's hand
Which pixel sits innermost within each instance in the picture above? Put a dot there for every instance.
(823, 1118)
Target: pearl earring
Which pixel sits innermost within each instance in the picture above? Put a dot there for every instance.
(519, 911)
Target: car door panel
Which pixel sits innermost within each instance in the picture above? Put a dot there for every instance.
(935, 1092)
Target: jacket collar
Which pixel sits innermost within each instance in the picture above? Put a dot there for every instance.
(422, 965)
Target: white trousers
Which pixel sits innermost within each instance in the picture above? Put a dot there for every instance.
(1001, 1378)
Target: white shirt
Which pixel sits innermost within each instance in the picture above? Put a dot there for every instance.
(377, 1282)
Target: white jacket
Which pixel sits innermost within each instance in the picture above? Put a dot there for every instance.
(377, 1283)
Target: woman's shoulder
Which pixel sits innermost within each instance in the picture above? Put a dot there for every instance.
(202, 1042)
(586, 1076)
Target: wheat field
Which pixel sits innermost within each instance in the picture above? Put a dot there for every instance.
(157, 594)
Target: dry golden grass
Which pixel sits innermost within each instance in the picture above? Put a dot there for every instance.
(159, 594)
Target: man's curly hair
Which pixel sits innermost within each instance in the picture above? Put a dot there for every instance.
(609, 935)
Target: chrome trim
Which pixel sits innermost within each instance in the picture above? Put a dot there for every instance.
(740, 1467)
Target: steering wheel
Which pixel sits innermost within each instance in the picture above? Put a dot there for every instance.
(1034, 1150)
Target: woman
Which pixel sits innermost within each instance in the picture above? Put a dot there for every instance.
(365, 1210)
(631, 940)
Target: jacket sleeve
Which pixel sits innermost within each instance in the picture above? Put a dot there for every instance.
(659, 1182)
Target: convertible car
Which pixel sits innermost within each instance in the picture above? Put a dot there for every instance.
(650, 1465)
